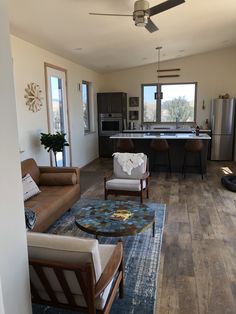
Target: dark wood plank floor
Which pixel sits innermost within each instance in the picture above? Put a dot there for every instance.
(198, 260)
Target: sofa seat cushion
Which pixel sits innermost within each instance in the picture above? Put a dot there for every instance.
(50, 203)
(125, 184)
(68, 250)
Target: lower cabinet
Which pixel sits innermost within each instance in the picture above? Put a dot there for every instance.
(106, 148)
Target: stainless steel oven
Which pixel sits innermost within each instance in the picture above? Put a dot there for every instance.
(110, 123)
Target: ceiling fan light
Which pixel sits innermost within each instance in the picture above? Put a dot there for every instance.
(141, 20)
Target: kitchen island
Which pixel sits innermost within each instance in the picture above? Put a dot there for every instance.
(176, 142)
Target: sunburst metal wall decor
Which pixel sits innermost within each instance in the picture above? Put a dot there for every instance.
(33, 97)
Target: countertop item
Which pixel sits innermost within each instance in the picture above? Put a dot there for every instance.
(149, 135)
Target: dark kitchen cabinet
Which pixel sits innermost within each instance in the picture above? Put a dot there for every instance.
(106, 148)
(112, 103)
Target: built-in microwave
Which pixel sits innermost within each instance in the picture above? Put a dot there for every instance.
(110, 123)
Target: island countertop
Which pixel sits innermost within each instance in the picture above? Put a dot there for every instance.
(174, 136)
(166, 130)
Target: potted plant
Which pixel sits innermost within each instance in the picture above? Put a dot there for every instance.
(54, 142)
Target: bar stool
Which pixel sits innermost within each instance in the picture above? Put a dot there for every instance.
(125, 145)
(161, 146)
(194, 147)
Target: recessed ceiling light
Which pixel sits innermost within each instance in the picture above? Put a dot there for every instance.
(78, 48)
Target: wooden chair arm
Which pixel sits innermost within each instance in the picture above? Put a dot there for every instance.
(110, 269)
(108, 175)
(145, 175)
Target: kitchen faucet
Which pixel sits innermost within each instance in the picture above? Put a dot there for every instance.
(176, 123)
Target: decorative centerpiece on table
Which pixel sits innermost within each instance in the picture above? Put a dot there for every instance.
(121, 215)
(54, 142)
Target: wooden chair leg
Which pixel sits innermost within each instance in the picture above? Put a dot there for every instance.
(121, 286)
(200, 160)
(183, 167)
(169, 162)
(147, 188)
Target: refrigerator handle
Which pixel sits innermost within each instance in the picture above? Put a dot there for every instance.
(213, 123)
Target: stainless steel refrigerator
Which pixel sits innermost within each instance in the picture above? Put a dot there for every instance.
(222, 124)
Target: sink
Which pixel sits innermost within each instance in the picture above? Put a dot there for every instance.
(167, 134)
(148, 135)
(184, 135)
(161, 128)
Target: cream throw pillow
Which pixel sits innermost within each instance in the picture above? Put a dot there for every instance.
(30, 188)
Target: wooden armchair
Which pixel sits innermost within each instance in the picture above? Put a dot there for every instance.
(75, 273)
(121, 183)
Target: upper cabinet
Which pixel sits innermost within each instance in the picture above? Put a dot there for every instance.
(112, 103)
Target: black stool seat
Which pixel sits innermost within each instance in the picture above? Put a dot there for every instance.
(195, 147)
(125, 145)
(161, 146)
(229, 182)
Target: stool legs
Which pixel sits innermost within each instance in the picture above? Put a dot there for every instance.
(156, 166)
(184, 164)
(200, 161)
(183, 167)
(169, 162)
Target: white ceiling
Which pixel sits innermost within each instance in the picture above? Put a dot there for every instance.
(114, 43)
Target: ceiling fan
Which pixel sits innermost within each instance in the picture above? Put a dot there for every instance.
(142, 12)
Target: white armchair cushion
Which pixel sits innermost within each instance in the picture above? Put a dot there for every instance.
(64, 249)
(125, 184)
(136, 173)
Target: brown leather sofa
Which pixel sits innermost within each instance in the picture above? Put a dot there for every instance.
(60, 189)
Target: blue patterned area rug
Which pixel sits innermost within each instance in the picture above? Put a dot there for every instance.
(141, 256)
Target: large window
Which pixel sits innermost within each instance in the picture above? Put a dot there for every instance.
(177, 104)
(86, 105)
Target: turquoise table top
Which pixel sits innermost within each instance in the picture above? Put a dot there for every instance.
(98, 219)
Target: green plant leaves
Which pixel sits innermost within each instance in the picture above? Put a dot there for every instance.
(55, 142)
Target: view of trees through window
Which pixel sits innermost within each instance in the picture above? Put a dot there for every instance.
(177, 103)
(85, 99)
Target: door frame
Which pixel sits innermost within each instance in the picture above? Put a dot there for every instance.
(49, 65)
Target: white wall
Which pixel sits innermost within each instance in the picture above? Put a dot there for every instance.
(28, 64)
(214, 72)
(15, 295)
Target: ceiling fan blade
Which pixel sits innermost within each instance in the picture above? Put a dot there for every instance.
(107, 14)
(151, 27)
(164, 6)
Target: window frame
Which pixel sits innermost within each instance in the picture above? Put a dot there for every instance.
(158, 102)
(87, 130)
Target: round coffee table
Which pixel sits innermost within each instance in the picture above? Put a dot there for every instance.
(97, 220)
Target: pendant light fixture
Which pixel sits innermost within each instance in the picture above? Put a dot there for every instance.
(158, 94)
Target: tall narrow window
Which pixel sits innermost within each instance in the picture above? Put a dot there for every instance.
(149, 103)
(57, 108)
(86, 106)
